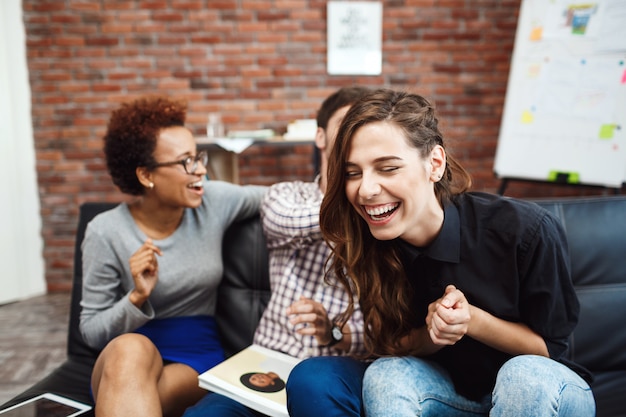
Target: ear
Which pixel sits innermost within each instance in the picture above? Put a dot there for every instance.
(144, 175)
(437, 163)
(320, 139)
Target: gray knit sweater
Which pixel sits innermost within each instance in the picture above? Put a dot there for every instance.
(190, 268)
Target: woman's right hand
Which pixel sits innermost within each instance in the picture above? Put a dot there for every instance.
(144, 268)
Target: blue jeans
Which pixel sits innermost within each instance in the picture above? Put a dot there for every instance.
(326, 386)
(216, 405)
(526, 385)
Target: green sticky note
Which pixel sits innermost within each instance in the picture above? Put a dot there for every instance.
(564, 177)
(606, 131)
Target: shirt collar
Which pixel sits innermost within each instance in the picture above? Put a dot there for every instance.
(447, 245)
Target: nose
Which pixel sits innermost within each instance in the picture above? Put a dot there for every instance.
(201, 169)
(369, 187)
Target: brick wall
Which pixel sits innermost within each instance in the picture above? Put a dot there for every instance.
(260, 63)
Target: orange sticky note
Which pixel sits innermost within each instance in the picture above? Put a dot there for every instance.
(536, 33)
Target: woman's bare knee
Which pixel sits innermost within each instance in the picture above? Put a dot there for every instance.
(127, 357)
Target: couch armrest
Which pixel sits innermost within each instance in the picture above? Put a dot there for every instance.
(245, 289)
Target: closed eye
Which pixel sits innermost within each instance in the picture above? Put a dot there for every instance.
(389, 169)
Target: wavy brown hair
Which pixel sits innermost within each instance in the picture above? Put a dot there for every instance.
(367, 267)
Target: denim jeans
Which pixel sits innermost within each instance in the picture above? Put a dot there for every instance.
(526, 385)
(216, 405)
(326, 386)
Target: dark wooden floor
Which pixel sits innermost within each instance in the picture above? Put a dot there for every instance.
(33, 336)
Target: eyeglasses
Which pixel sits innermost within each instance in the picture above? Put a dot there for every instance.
(190, 163)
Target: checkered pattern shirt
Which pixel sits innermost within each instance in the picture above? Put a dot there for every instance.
(297, 255)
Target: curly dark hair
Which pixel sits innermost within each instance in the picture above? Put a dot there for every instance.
(131, 137)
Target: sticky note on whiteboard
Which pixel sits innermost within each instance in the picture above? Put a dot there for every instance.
(536, 33)
(564, 177)
(527, 117)
(606, 131)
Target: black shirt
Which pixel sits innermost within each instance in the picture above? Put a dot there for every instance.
(510, 258)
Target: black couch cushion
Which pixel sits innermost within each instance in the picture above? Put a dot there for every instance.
(596, 235)
(76, 346)
(245, 288)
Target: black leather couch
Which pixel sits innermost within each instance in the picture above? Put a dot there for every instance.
(596, 230)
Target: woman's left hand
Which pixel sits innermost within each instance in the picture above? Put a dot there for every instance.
(448, 317)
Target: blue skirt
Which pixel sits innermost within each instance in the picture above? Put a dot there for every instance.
(191, 340)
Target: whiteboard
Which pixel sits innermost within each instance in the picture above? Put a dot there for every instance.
(564, 116)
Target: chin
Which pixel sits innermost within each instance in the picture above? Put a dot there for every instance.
(195, 203)
(383, 234)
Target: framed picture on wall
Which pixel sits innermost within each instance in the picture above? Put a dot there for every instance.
(354, 37)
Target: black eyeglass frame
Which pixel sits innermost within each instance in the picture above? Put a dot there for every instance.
(202, 156)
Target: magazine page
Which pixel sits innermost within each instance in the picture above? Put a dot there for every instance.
(255, 377)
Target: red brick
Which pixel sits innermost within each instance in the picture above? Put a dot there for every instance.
(261, 64)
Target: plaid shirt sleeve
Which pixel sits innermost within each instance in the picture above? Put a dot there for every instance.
(290, 212)
(298, 254)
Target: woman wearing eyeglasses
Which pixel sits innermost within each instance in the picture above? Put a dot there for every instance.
(151, 266)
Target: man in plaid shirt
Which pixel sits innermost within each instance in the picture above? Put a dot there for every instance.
(300, 317)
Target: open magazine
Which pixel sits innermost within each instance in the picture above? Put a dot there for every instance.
(255, 377)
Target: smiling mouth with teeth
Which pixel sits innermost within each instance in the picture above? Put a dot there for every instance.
(196, 185)
(381, 212)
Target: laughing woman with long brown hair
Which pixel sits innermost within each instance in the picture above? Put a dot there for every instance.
(467, 297)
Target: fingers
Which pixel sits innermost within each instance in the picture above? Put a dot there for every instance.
(443, 333)
(305, 310)
(145, 260)
(303, 305)
(451, 296)
(147, 256)
(144, 268)
(448, 318)
(148, 244)
(309, 317)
